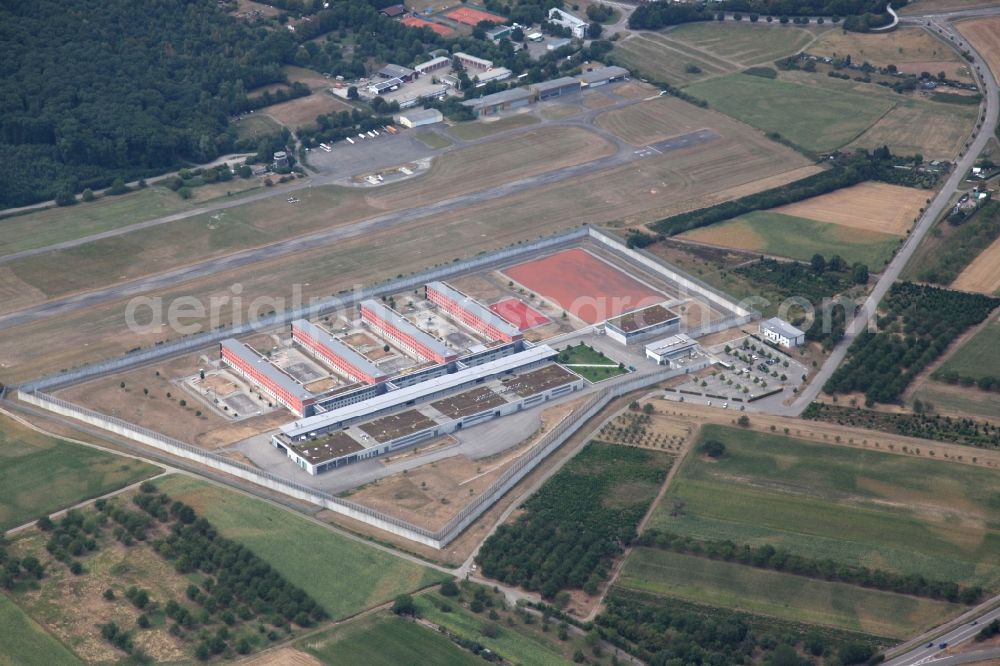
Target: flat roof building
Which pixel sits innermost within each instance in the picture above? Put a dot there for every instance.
(780, 332)
(557, 43)
(347, 361)
(494, 74)
(471, 61)
(642, 324)
(379, 87)
(602, 75)
(419, 117)
(556, 87)
(667, 349)
(433, 65)
(393, 326)
(577, 25)
(498, 33)
(471, 313)
(500, 101)
(266, 376)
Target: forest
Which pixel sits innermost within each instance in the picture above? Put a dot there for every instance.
(572, 529)
(655, 15)
(916, 323)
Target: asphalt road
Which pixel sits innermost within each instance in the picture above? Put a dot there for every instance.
(167, 279)
(921, 654)
(933, 211)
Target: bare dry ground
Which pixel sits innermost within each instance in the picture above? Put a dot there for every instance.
(952, 70)
(919, 6)
(653, 120)
(894, 48)
(303, 111)
(983, 274)
(984, 34)
(283, 656)
(870, 206)
(741, 162)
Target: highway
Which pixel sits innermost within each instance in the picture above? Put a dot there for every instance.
(933, 211)
(921, 654)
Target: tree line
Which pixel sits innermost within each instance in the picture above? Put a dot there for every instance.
(922, 425)
(781, 559)
(862, 14)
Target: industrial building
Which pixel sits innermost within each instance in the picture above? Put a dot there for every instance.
(642, 324)
(433, 65)
(577, 25)
(419, 117)
(392, 71)
(668, 349)
(268, 378)
(557, 43)
(601, 76)
(379, 87)
(781, 333)
(472, 62)
(471, 313)
(564, 85)
(344, 359)
(494, 74)
(504, 100)
(394, 327)
(498, 33)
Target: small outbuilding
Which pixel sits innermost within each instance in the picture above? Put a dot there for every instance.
(781, 333)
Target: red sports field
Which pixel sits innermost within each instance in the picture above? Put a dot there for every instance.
(415, 22)
(583, 285)
(472, 17)
(519, 313)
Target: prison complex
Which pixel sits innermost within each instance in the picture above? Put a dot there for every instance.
(344, 359)
(471, 313)
(394, 327)
(270, 379)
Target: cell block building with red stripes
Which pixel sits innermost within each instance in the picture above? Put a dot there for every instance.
(471, 313)
(339, 355)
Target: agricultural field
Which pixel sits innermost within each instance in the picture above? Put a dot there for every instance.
(40, 474)
(590, 363)
(657, 56)
(572, 529)
(962, 256)
(919, 6)
(958, 400)
(983, 273)
(897, 513)
(984, 35)
(804, 115)
(298, 548)
(477, 129)
(906, 45)
(384, 640)
(738, 164)
(786, 596)
(747, 45)
(799, 238)
(24, 643)
(979, 357)
(652, 120)
(869, 206)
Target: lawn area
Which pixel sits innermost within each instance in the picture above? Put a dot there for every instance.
(433, 140)
(655, 55)
(798, 238)
(590, 363)
(979, 356)
(55, 225)
(252, 126)
(743, 43)
(41, 474)
(24, 643)
(785, 596)
(385, 640)
(477, 129)
(515, 646)
(858, 507)
(814, 119)
(341, 574)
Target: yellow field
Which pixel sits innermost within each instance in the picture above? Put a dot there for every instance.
(880, 207)
(942, 129)
(651, 121)
(893, 48)
(983, 274)
(984, 35)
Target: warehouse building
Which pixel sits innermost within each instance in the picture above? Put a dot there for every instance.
(394, 327)
(344, 359)
(392, 71)
(419, 117)
(472, 62)
(781, 333)
(433, 65)
(515, 98)
(601, 76)
(495, 74)
(642, 324)
(669, 349)
(555, 88)
(471, 313)
(268, 378)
